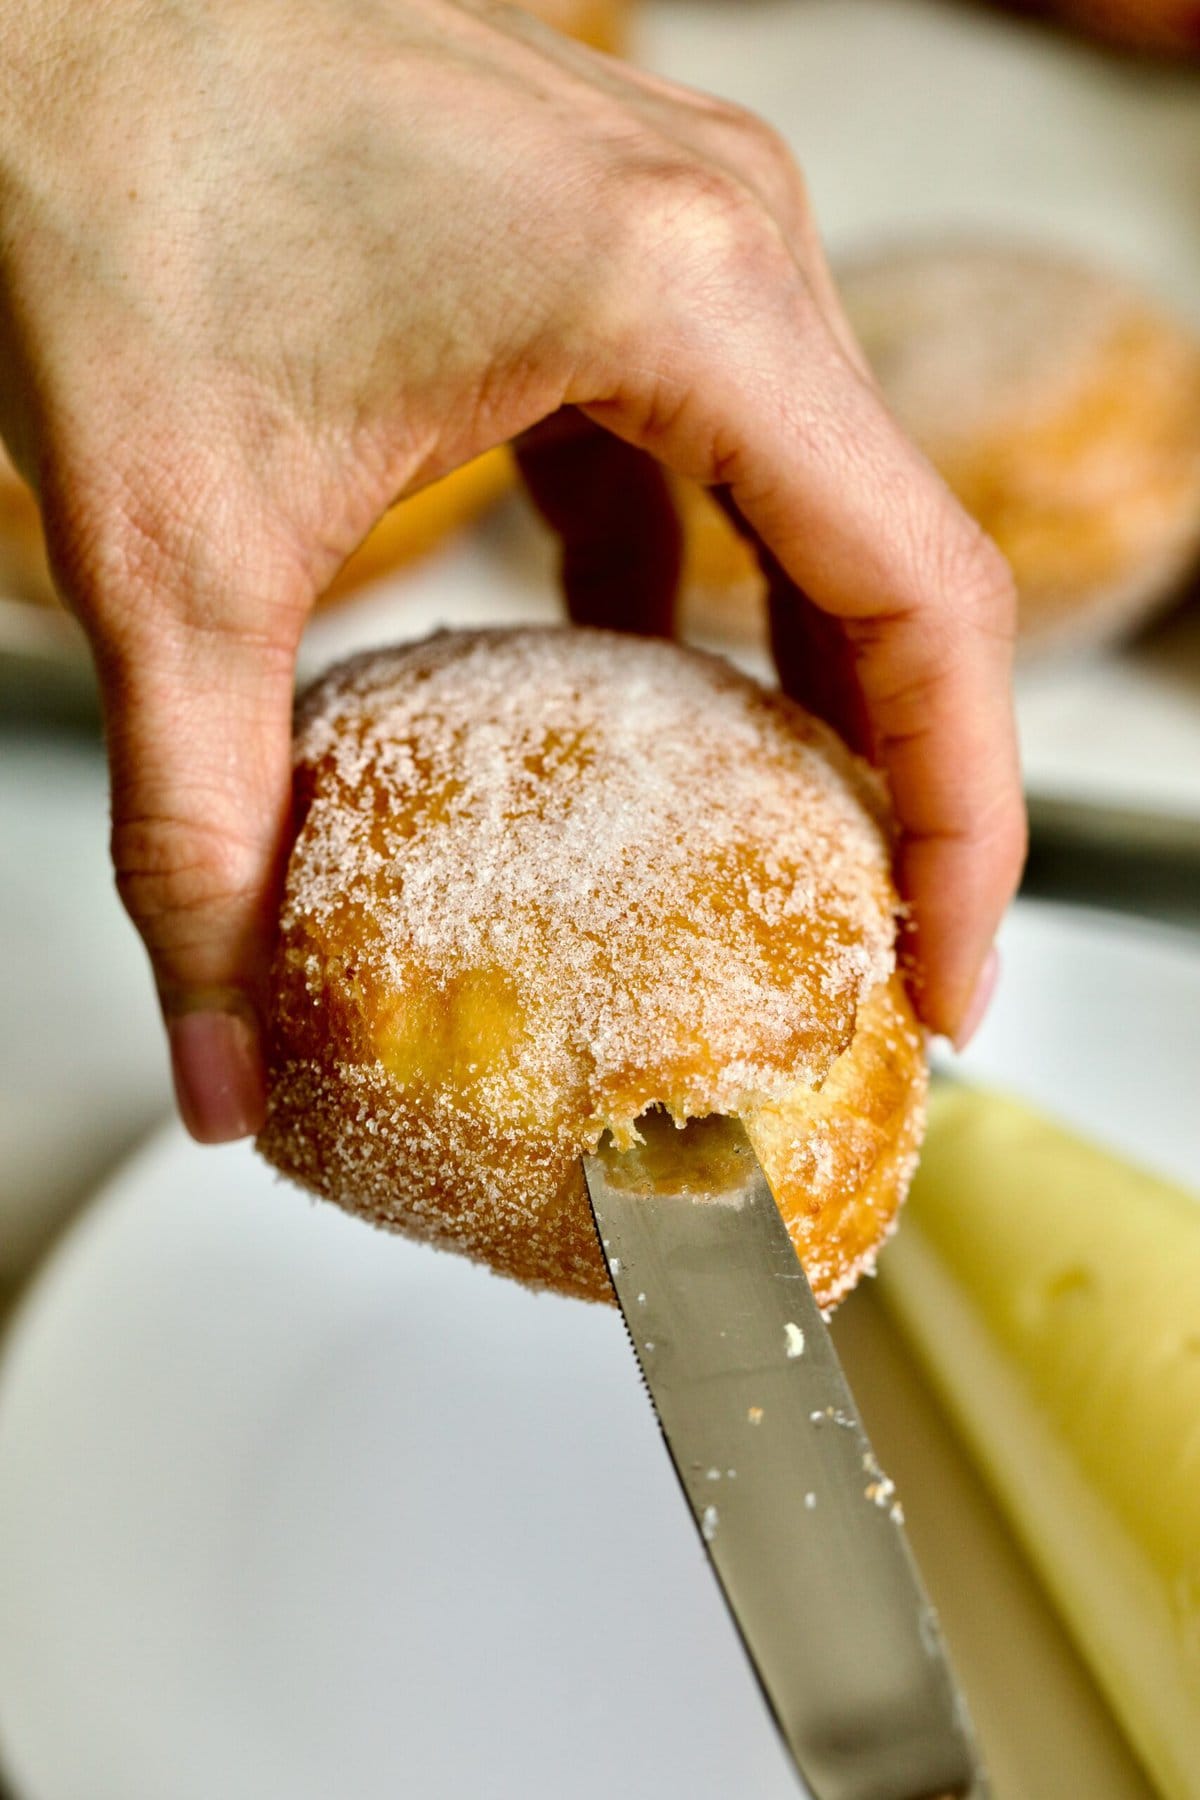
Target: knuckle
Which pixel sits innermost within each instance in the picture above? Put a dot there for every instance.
(696, 221)
(993, 826)
(976, 580)
(770, 156)
(182, 881)
(139, 547)
(762, 157)
(1008, 842)
(952, 571)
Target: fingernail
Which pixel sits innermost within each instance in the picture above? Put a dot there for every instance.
(219, 1083)
(981, 999)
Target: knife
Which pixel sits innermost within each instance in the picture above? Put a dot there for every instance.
(802, 1526)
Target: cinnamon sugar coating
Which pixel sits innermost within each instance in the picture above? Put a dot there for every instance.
(544, 880)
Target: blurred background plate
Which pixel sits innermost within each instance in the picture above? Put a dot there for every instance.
(291, 1508)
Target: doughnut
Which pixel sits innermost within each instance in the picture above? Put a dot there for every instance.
(24, 568)
(1060, 405)
(722, 591)
(1171, 26)
(422, 521)
(601, 23)
(544, 881)
(409, 531)
(1063, 408)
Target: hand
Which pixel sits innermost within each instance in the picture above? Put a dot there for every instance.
(266, 268)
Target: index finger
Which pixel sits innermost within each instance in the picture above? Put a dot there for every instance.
(763, 400)
(928, 612)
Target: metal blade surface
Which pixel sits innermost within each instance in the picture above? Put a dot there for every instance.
(802, 1527)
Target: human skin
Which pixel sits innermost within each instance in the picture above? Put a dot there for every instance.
(266, 267)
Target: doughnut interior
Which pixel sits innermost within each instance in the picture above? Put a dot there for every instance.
(546, 880)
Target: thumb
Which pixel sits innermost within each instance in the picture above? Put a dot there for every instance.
(198, 723)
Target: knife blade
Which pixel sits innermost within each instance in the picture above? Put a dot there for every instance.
(802, 1527)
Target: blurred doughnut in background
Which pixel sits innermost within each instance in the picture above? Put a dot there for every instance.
(722, 594)
(24, 571)
(409, 531)
(604, 24)
(1172, 26)
(1060, 403)
(417, 525)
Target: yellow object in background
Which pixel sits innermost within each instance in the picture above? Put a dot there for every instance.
(604, 24)
(409, 531)
(1053, 1294)
(421, 522)
(24, 570)
(722, 590)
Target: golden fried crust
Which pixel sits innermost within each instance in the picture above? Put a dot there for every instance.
(545, 880)
(839, 1158)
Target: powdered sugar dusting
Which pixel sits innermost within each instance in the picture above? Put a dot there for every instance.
(576, 804)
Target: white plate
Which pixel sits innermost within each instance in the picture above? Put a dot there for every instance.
(292, 1509)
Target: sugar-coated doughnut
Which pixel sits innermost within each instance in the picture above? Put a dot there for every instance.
(545, 880)
(1062, 406)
